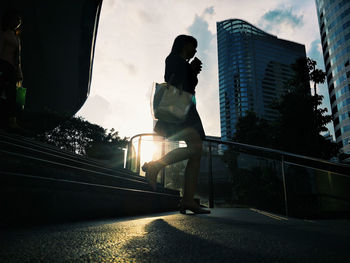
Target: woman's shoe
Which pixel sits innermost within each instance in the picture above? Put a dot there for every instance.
(194, 208)
(151, 174)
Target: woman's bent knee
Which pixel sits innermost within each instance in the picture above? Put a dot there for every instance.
(195, 149)
(194, 142)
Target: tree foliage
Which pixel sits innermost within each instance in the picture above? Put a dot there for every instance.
(254, 130)
(301, 119)
(82, 137)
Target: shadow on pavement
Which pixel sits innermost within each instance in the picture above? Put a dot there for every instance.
(165, 243)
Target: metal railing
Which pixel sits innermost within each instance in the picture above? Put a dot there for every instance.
(235, 174)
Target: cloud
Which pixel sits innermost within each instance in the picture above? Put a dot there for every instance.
(207, 90)
(200, 30)
(134, 37)
(315, 53)
(130, 67)
(277, 20)
(146, 17)
(278, 16)
(209, 10)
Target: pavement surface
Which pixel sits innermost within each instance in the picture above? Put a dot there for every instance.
(226, 235)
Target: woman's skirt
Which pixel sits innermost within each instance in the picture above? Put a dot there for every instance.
(174, 130)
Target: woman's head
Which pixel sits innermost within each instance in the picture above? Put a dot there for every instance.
(10, 20)
(185, 46)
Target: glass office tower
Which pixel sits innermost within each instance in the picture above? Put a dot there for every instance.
(334, 21)
(253, 67)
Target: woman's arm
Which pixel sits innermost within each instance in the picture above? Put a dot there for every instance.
(196, 65)
(175, 70)
(10, 38)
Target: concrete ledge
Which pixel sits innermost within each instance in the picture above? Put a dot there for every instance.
(31, 199)
(39, 184)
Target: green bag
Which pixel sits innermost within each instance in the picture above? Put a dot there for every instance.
(21, 96)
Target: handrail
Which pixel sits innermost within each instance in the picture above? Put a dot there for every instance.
(267, 153)
(145, 134)
(64, 155)
(85, 183)
(343, 167)
(340, 168)
(52, 156)
(47, 147)
(61, 164)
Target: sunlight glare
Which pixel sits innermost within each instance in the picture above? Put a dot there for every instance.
(148, 150)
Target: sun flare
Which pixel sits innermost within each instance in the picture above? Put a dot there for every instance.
(148, 151)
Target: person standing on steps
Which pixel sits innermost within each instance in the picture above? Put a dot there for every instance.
(180, 71)
(10, 66)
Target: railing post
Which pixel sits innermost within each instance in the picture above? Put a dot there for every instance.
(284, 187)
(128, 157)
(138, 164)
(210, 178)
(162, 177)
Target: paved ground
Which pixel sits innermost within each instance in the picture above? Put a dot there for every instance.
(227, 235)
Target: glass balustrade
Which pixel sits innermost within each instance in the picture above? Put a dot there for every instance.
(240, 175)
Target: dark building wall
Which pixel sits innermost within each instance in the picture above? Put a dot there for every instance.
(58, 39)
(253, 66)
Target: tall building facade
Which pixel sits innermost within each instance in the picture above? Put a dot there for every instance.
(253, 67)
(334, 22)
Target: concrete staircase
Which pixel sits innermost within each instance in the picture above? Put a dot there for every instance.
(41, 183)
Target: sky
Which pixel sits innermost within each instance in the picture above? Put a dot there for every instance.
(135, 36)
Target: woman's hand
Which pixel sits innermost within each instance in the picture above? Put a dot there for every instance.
(196, 65)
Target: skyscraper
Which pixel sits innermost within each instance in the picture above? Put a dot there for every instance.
(253, 66)
(334, 22)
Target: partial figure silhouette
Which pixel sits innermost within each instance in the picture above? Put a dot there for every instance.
(180, 71)
(10, 66)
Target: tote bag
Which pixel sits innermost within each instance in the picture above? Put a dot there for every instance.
(170, 103)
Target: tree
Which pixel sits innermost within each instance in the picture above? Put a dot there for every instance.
(254, 130)
(80, 136)
(300, 122)
(316, 75)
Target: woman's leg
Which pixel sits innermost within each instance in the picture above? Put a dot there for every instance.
(194, 142)
(191, 152)
(190, 136)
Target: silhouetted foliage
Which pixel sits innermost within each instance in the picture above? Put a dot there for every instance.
(73, 134)
(300, 122)
(254, 130)
(257, 182)
(317, 76)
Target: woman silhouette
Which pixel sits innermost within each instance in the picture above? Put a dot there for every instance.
(179, 71)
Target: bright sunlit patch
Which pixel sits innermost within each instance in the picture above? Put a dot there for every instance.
(148, 151)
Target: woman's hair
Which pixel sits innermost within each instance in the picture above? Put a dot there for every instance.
(10, 20)
(180, 41)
